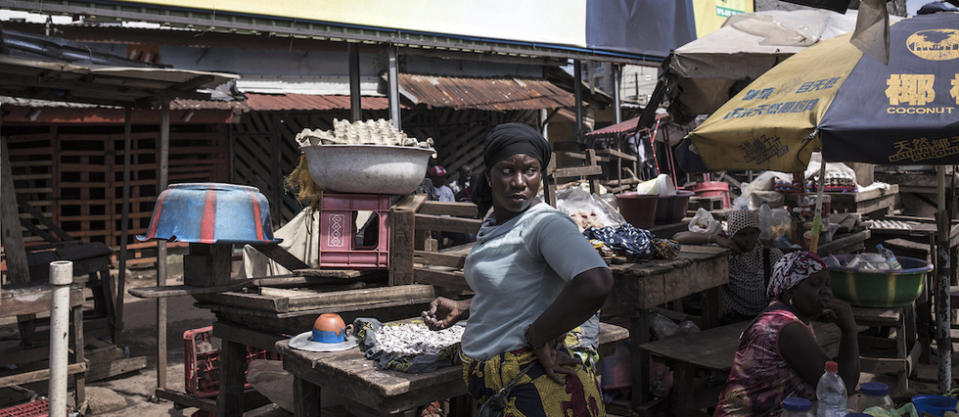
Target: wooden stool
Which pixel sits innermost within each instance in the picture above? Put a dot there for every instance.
(888, 354)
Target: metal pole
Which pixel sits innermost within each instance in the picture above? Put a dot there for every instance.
(356, 106)
(943, 309)
(617, 82)
(578, 90)
(394, 88)
(125, 219)
(61, 276)
(161, 249)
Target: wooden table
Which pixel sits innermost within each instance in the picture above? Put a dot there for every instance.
(371, 391)
(713, 349)
(638, 287)
(872, 203)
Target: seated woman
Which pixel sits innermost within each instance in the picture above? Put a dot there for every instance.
(778, 356)
(750, 264)
(538, 283)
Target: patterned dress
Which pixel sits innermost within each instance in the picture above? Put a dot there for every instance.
(760, 378)
(745, 295)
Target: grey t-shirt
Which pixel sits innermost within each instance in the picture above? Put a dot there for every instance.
(517, 269)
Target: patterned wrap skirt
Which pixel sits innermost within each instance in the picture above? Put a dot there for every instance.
(534, 394)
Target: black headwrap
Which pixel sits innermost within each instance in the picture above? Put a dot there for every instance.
(502, 142)
(509, 139)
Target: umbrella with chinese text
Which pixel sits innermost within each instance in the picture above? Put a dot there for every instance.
(830, 97)
(854, 109)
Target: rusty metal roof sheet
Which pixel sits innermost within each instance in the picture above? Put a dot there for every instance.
(623, 127)
(495, 94)
(290, 102)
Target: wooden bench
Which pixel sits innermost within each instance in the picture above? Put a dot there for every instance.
(712, 350)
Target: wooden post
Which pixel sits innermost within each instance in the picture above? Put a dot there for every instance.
(208, 265)
(943, 310)
(232, 368)
(161, 249)
(356, 106)
(79, 379)
(17, 271)
(578, 94)
(394, 86)
(125, 219)
(617, 106)
(12, 239)
(306, 398)
(402, 234)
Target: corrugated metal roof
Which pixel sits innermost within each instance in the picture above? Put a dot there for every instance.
(623, 127)
(289, 102)
(495, 94)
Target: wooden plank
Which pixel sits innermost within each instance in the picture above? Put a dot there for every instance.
(837, 245)
(340, 274)
(448, 208)
(181, 398)
(116, 367)
(12, 239)
(316, 300)
(715, 348)
(179, 290)
(32, 300)
(402, 220)
(573, 172)
(279, 317)
(446, 224)
(615, 153)
(260, 340)
(281, 256)
(38, 376)
(440, 259)
(453, 280)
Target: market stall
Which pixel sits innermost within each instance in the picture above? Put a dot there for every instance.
(841, 102)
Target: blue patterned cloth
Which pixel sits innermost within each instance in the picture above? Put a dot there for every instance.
(625, 239)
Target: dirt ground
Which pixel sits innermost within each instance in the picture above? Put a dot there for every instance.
(139, 335)
(139, 339)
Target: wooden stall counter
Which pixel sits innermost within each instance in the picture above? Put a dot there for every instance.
(368, 390)
(638, 287)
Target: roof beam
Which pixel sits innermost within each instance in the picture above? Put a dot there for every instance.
(228, 22)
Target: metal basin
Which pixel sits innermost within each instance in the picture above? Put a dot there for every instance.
(879, 289)
(211, 213)
(367, 169)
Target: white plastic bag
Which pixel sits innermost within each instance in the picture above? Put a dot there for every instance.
(587, 209)
(703, 222)
(661, 185)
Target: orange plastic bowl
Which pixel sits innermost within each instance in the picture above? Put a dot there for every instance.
(329, 328)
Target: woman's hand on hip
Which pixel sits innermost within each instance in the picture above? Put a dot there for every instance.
(556, 362)
(444, 313)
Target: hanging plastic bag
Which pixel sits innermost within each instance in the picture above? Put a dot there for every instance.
(703, 222)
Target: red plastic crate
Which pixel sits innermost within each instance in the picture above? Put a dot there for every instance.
(338, 247)
(36, 408)
(201, 362)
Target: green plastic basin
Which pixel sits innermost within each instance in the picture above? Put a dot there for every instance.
(879, 289)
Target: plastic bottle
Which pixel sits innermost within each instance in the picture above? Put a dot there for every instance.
(831, 393)
(765, 222)
(875, 395)
(890, 257)
(797, 407)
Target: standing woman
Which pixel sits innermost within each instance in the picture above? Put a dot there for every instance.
(536, 281)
